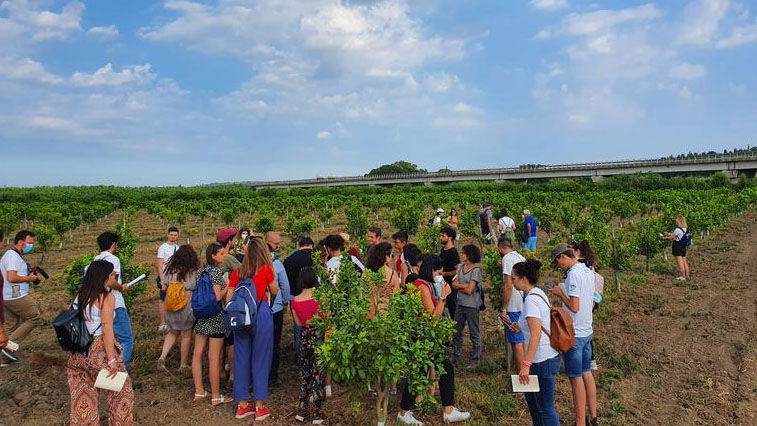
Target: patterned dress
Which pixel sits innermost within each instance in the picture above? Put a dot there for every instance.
(214, 325)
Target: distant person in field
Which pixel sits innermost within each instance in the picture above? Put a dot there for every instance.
(165, 251)
(437, 219)
(211, 332)
(512, 299)
(239, 244)
(181, 281)
(108, 243)
(399, 241)
(470, 298)
(380, 259)
(578, 302)
(586, 255)
(372, 237)
(3, 337)
(280, 301)
(334, 245)
(294, 264)
(304, 308)
(506, 226)
(530, 228)
(450, 262)
(453, 221)
(98, 305)
(352, 250)
(428, 273)
(681, 238)
(227, 238)
(253, 354)
(21, 311)
(540, 358)
(486, 222)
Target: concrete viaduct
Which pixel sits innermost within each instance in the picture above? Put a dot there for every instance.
(732, 166)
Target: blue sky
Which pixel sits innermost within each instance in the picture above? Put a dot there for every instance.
(186, 92)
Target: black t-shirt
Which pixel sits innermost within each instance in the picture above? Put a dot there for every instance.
(294, 263)
(450, 260)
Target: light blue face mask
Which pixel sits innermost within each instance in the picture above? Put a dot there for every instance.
(28, 248)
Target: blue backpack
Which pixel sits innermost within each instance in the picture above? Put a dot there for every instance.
(204, 303)
(242, 309)
(686, 238)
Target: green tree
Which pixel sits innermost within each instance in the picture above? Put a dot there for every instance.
(264, 224)
(406, 218)
(396, 168)
(357, 221)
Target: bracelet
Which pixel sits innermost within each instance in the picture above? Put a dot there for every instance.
(526, 363)
(112, 361)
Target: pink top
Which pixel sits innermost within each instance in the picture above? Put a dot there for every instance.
(305, 310)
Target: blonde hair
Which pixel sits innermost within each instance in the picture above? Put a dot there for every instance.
(256, 257)
(681, 221)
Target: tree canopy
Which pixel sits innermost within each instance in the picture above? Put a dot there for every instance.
(396, 167)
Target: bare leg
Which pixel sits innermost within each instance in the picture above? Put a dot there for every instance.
(186, 345)
(579, 399)
(686, 267)
(162, 312)
(591, 393)
(214, 362)
(168, 343)
(200, 341)
(518, 354)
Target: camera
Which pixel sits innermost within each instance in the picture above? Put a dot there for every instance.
(37, 270)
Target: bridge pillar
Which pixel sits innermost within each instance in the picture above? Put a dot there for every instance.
(428, 183)
(597, 178)
(732, 175)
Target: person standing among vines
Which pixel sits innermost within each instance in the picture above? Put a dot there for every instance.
(681, 238)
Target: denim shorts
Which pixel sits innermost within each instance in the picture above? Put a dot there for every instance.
(578, 358)
(511, 336)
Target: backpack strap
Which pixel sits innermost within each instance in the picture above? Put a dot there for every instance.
(548, 305)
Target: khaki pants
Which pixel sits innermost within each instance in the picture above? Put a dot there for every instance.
(21, 316)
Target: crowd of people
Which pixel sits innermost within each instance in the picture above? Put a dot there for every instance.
(240, 267)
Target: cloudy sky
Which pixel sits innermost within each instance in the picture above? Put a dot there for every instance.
(144, 92)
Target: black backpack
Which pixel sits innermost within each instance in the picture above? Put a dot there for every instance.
(71, 330)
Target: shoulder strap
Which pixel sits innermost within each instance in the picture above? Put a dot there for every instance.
(549, 306)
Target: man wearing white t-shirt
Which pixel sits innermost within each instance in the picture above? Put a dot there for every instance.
(108, 243)
(165, 252)
(21, 311)
(578, 302)
(334, 245)
(512, 299)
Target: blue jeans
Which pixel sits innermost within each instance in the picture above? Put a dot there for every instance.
(122, 330)
(530, 244)
(578, 358)
(252, 357)
(541, 404)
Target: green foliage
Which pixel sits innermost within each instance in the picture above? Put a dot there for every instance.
(325, 214)
(396, 168)
(228, 216)
(74, 273)
(357, 221)
(44, 235)
(296, 226)
(468, 222)
(492, 268)
(646, 239)
(264, 224)
(130, 271)
(428, 239)
(406, 218)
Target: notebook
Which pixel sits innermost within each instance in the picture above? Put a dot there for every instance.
(532, 386)
(115, 384)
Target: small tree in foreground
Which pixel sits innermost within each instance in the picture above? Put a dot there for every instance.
(401, 341)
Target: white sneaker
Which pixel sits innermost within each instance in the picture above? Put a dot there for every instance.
(594, 365)
(681, 279)
(327, 389)
(456, 416)
(408, 419)
(163, 327)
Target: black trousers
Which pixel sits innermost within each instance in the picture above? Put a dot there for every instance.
(278, 325)
(446, 388)
(452, 303)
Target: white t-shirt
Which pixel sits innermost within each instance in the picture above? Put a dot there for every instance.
(116, 262)
(166, 251)
(678, 233)
(92, 318)
(580, 283)
(12, 261)
(536, 307)
(515, 304)
(335, 262)
(506, 222)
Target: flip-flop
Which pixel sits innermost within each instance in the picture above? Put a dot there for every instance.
(222, 400)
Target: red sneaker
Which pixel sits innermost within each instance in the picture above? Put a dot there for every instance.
(244, 412)
(262, 413)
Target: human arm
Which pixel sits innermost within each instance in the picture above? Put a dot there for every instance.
(15, 278)
(573, 303)
(534, 325)
(107, 314)
(283, 282)
(507, 290)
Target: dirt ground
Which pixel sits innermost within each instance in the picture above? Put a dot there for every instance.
(668, 353)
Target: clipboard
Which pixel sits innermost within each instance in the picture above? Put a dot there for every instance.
(532, 386)
(115, 384)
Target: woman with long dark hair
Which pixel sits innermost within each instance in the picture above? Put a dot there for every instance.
(180, 272)
(430, 272)
(304, 308)
(380, 259)
(97, 306)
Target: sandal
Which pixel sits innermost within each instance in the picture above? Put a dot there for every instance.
(221, 400)
(200, 396)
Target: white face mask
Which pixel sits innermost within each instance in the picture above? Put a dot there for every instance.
(438, 279)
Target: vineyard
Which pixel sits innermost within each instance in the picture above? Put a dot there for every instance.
(621, 217)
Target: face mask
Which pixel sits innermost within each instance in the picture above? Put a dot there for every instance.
(438, 279)
(244, 236)
(28, 248)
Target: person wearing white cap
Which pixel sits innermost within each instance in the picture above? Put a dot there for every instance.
(438, 217)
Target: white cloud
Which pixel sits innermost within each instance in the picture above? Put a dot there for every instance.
(45, 24)
(323, 135)
(549, 4)
(604, 20)
(27, 69)
(739, 36)
(685, 71)
(108, 32)
(701, 21)
(463, 108)
(105, 76)
(441, 83)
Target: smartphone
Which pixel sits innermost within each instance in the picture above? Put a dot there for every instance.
(549, 286)
(505, 319)
(454, 278)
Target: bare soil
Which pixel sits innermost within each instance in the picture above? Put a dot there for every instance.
(669, 353)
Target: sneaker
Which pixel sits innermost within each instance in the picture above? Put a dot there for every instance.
(163, 327)
(594, 365)
(456, 416)
(594, 422)
(681, 279)
(262, 413)
(161, 363)
(327, 390)
(408, 419)
(317, 419)
(244, 412)
(372, 394)
(473, 365)
(10, 355)
(302, 412)
(8, 359)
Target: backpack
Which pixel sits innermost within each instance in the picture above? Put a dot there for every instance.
(561, 324)
(71, 330)
(204, 303)
(686, 238)
(176, 296)
(242, 309)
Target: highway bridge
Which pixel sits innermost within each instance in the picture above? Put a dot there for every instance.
(732, 165)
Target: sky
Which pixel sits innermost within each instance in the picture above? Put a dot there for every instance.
(144, 92)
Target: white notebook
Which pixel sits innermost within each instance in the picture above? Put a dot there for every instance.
(532, 386)
(115, 384)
